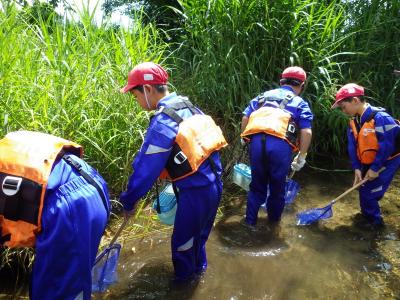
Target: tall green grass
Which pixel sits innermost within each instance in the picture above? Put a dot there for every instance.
(65, 80)
(235, 49)
(376, 30)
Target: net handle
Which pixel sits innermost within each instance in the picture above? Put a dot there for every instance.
(126, 219)
(354, 187)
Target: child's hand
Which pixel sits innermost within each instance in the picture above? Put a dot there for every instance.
(357, 176)
(371, 175)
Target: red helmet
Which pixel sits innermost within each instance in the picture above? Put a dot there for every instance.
(346, 91)
(294, 73)
(145, 73)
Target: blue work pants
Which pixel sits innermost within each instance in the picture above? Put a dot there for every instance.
(267, 168)
(197, 208)
(372, 191)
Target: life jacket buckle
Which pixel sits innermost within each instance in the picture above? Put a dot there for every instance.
(11, 185)
(291, 128)
(180, 158)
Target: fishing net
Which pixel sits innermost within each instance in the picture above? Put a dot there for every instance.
(291, 190)
(310, 216)
(104, 271)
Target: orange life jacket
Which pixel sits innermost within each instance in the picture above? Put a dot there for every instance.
(197, 138)
(26, 161)
(274, 121)
(366, 141)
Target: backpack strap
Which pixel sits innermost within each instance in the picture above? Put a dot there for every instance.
(371, 116)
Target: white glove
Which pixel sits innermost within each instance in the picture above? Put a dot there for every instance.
(299, 161)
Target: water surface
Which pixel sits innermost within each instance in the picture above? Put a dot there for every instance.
(339, 258)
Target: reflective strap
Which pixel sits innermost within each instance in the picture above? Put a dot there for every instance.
(187, 245)
(382, 129)
(378, 189)
(390, 127)
(153, 149)
(79, 296)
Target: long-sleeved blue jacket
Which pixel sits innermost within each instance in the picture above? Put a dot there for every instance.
(154, 153)
(297, 107)
(386, 130)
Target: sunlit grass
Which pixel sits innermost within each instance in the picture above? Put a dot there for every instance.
(65, 80)
(233, 50)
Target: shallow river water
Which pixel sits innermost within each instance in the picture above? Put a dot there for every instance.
(339, 258)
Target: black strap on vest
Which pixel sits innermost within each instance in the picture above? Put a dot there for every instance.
(77, 166)
(158, 199)
(4, 238)
(170, 110)
(261, 99)
(358, 124)
(23, 200)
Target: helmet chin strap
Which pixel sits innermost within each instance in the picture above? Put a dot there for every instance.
(145, 97)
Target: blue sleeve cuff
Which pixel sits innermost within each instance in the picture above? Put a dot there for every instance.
(376, 167)
(123, 198)
(356, 166)
(303, 124)
(247, 112)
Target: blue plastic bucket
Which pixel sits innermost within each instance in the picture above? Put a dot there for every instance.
(242, 175)
(168, 205)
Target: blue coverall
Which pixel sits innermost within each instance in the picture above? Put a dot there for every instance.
(199, 193)
(386, 130)
(272, 167)
(73, 222)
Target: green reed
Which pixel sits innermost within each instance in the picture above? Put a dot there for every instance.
(65, 80)
(235, 49)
